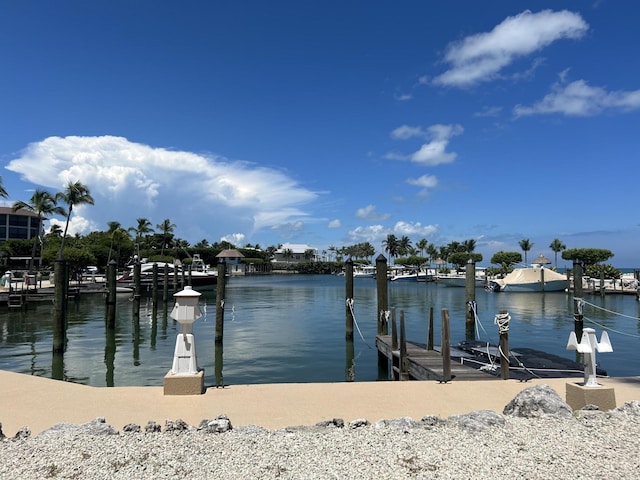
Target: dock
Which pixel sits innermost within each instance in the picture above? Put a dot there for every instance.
(423, 364)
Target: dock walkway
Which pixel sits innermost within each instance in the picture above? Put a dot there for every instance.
(423, 364)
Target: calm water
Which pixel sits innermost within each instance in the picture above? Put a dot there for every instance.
(291, 329)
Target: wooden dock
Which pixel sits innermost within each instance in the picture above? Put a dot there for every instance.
(423, 364)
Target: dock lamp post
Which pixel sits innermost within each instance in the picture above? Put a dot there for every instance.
(185, 378)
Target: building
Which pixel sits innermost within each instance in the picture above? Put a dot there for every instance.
(233, 261)
(295, 253)
(18, 225)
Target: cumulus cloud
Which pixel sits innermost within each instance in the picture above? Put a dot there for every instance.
(204, 195)
(233, 238)
(369, 213)
(481, 57)
(578, 98)
(426, 182)
(377, 233)
(335, 223)
(432, 153)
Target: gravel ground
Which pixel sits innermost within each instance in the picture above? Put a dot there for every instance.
(588, 444)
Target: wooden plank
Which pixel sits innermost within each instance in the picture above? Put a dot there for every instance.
(427, 364)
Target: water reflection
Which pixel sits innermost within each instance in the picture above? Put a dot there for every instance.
(292, 329)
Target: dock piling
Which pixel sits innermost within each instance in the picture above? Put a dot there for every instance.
(446, 347)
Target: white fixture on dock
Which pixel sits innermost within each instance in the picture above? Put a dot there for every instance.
(590, 392)
(185, 377)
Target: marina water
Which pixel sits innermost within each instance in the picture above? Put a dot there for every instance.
(291, 329)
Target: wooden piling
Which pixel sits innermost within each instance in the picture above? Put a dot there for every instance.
(220, 286)
(470, 296)
(504, 351)
(154, 285)
(577, 279)
(383, 296)
(403, 364)
(111, 295)
(60, 306)
(446, 347)
(349, 299)
(383, 307)
(430, 330)
(136, 289)
(165, 285)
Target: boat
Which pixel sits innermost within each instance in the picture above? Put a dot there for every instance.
(413, 275)
(460, 279)
(364, 271)
(535, 278)
(198, 275)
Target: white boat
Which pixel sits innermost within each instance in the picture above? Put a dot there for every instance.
(364, 271)
(535, 278)
(200, 275)
(459, 280)
(417, 275)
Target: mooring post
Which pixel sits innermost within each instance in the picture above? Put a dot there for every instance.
(154, 285)
(349, 299)
(503, 329)
(403, 363)
(60, 305)
(602, 283)
(577, 279)
(383, 311)
(136, 288)
(395, 364)
(165, 285)
(111, 295)
(383, 297)
(470, 291)
(220, 302)
(220, 286)
(446, 347)
(430, 330)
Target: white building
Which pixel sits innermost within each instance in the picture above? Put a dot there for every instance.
(295, 253)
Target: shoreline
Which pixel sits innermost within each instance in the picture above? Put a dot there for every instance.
(39, 403)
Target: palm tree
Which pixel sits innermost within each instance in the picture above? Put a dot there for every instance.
(118, 234)
(3, 192)
(391, 245)
(143, 228)
(41, 203)
(287, 253)
(404, 245)
(525, 245)
(557, 246)
(166, 232)
(74, 194)
(469, 245)
(422, 245)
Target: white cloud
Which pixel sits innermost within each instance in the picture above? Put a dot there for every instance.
(369, 213)
(204, 195)
(481, 57)
(414, 229)
(580, 99)
(234, 238)
(426, 182)
(372, 233)
(434, 152)
(377, 233)
(405, 132)
(334, 223)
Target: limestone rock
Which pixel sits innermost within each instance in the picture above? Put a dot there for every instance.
(538, 401)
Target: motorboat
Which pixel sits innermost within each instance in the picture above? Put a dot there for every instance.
(460, 279)
(198, 274)
(535, 278)
(364, 271)
(413, 275)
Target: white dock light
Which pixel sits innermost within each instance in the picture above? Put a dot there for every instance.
(185, 378)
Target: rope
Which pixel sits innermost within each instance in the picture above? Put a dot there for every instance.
(604, 327)
(349, 302)
(583, 302)
(502, 320)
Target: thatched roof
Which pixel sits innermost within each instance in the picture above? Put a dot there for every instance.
(230, 253)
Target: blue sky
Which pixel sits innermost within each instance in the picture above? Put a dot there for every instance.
(333, 122)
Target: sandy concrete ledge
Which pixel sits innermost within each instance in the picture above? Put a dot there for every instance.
(39, 403)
